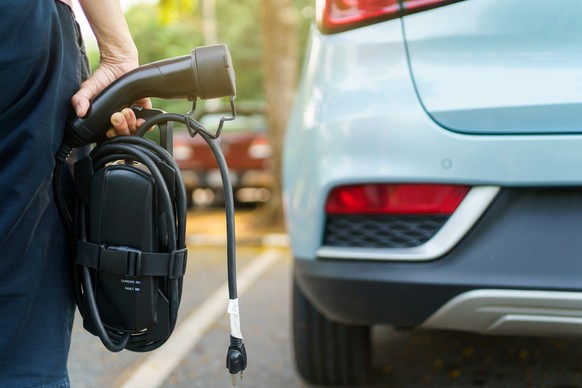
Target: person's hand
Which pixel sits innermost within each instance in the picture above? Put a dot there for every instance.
(124, 122)
(118, 55)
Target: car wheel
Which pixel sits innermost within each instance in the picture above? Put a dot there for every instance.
(326, 352)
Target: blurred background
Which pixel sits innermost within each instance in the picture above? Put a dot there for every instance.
(266, 39)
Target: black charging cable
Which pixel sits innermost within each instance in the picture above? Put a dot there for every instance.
(236, 359)
(148, 153)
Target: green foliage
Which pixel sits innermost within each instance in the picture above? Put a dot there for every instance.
(172, 10)
(238, 25)
(156, 40)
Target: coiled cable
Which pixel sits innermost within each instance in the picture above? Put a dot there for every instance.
(149, 154)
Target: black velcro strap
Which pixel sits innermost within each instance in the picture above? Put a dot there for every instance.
(177, 264)
(124, 261)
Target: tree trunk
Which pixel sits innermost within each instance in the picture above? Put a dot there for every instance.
(280, 63)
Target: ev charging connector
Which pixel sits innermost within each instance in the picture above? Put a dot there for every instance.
(206, 73)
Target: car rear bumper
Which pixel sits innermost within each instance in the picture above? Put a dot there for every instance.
(256, 178)
(528, 240)
(239, 179)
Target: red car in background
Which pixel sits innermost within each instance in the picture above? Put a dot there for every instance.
(247, 151)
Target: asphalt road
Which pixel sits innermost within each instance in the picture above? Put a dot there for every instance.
(401, 358)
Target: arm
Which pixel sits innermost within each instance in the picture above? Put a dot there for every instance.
(118, 55)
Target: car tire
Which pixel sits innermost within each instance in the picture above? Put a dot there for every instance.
(326, 352)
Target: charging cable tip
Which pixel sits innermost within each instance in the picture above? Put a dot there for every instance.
(236, 358)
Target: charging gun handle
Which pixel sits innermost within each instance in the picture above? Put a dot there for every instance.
(206, 73)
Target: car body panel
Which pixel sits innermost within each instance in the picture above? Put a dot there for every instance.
(498, 66)
(334, 138)
(468, 94)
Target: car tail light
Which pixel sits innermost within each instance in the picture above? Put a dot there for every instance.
(183, 152)
(401, 199)
(341, 15)
(260, 148)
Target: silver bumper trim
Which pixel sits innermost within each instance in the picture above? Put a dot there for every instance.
(511, 312)
(468, 212)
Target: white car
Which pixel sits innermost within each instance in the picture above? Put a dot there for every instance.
(433, 175)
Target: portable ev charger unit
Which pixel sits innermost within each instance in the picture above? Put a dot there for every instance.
(128, 223)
